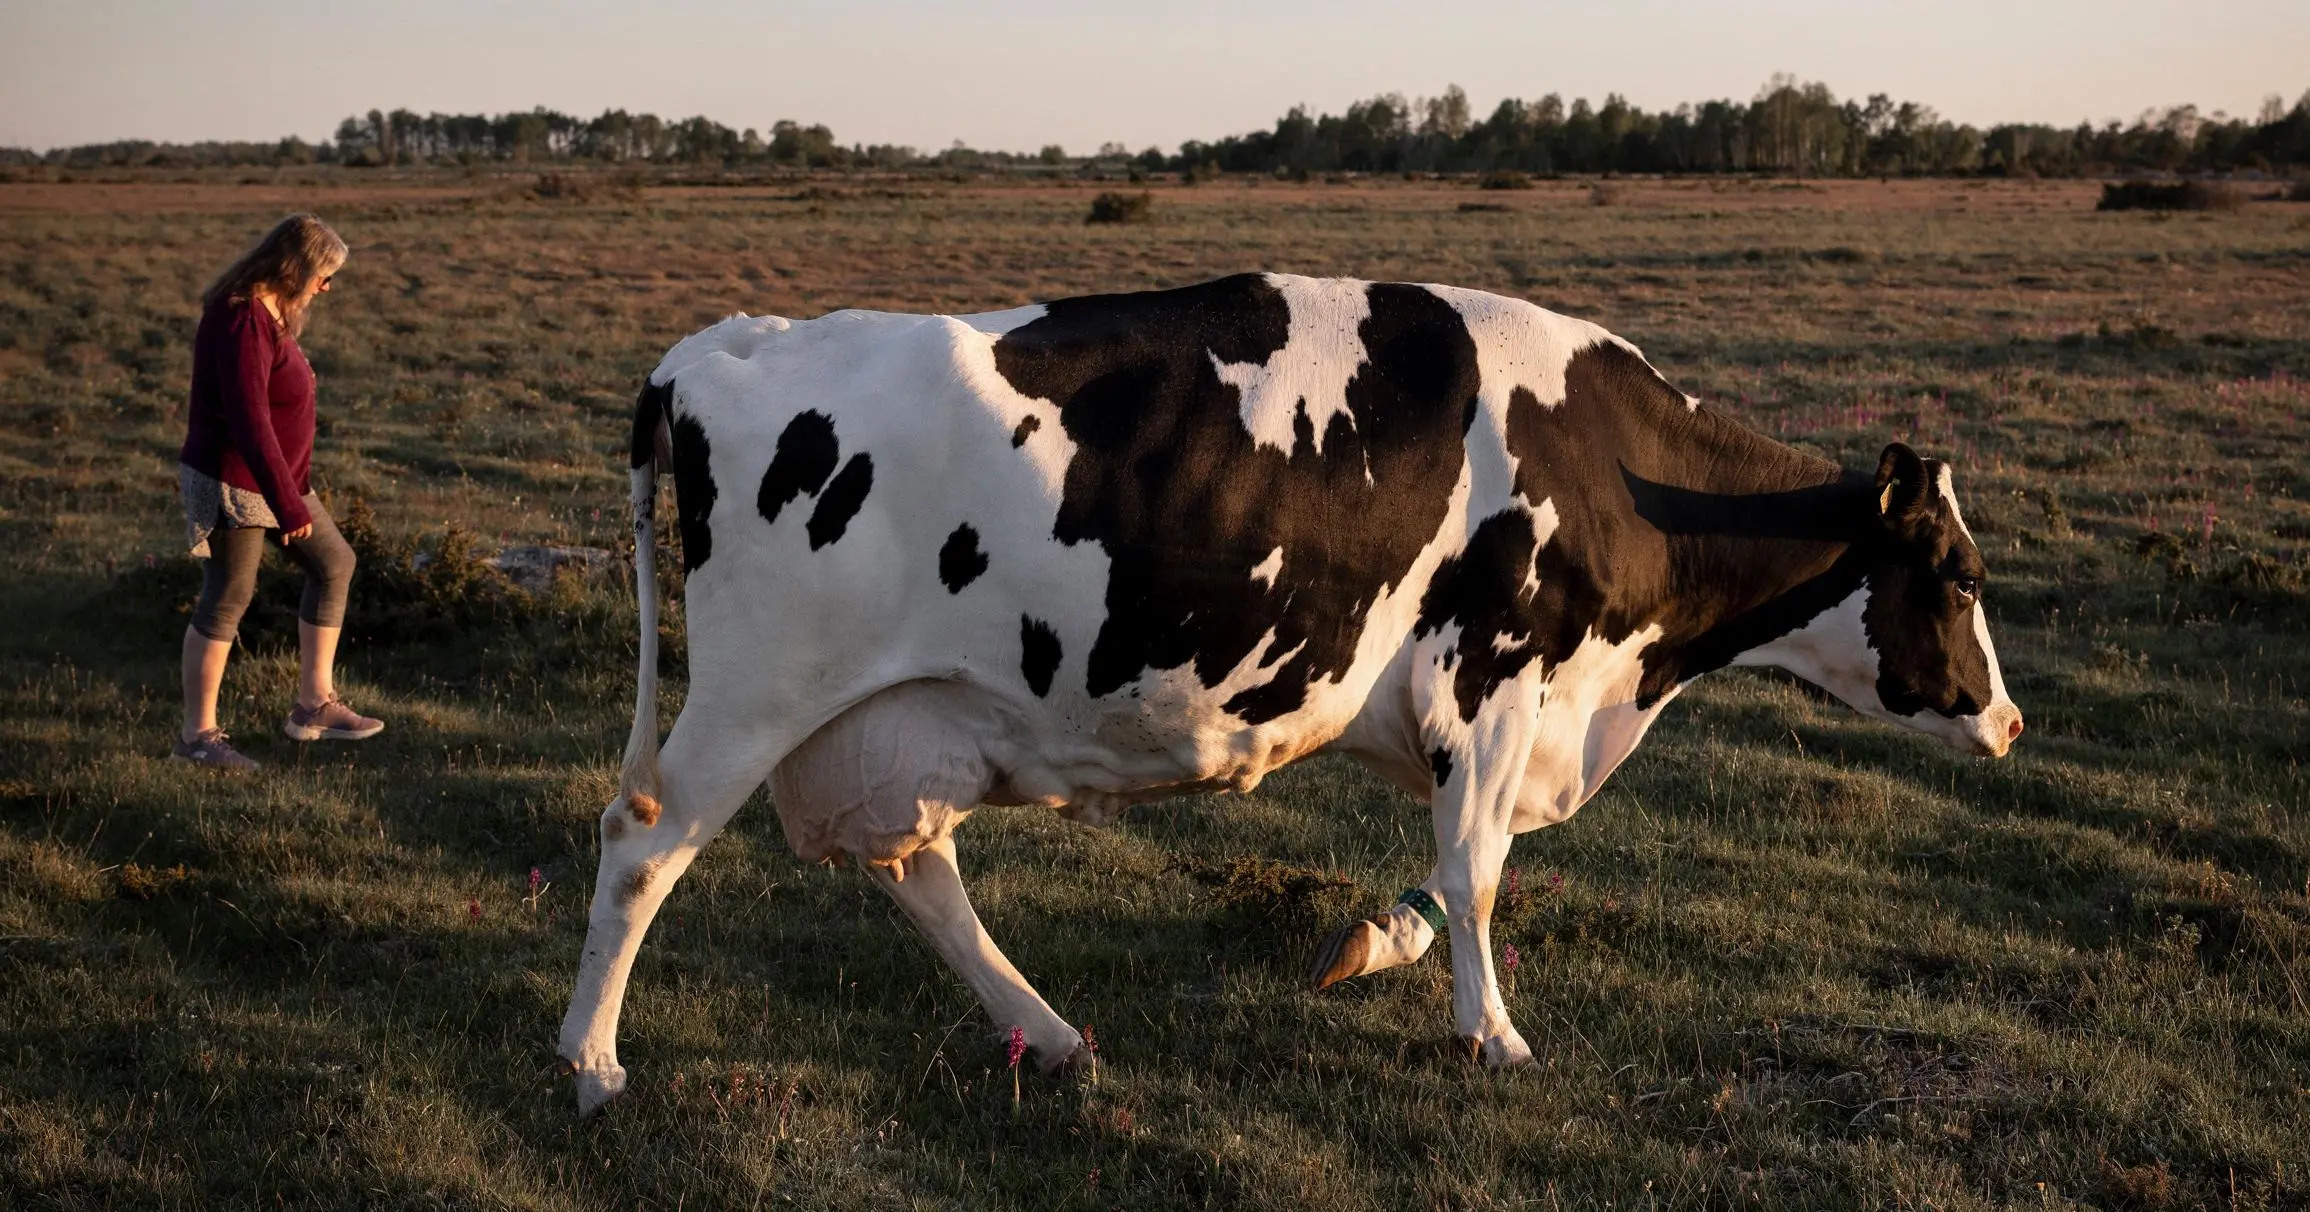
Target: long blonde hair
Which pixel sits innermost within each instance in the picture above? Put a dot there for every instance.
(297, 252)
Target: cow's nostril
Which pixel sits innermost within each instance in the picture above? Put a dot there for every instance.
(2014, 733)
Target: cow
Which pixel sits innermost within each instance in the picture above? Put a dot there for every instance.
(1093, 552)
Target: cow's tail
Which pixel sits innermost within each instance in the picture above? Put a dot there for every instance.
(638, 780)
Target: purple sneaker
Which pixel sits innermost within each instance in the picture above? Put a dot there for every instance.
(212, 749)
(332, 720)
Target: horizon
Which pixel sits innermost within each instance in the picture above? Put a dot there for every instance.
(1019, 76)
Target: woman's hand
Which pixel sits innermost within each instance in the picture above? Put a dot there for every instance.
(302, 532)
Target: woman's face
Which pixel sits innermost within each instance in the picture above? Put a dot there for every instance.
(318, 286)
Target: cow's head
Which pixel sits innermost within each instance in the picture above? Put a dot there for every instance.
(1912, 644)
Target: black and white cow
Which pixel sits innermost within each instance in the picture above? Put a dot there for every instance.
(1109, 549)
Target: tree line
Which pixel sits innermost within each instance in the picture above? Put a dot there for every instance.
(1789, 128)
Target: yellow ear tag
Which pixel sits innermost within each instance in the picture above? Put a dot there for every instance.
(1885, 498)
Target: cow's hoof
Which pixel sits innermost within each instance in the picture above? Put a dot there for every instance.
(1076, 1064)
(1343, 955)
(596, 1087)
(1499, 1052)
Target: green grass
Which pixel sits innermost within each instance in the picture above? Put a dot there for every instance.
(1786, 959)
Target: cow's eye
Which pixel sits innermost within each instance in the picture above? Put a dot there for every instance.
(1967, 587)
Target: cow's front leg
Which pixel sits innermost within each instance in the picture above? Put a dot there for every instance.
(1396, 936)
(931, 892)
(1472, 808)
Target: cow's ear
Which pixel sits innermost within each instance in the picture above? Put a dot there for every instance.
(1900, 483)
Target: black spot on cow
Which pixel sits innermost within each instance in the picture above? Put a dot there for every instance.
(1038, 654)
(959, 559)
(840, 502)
(1665, 516)
(1440, 762)
(694, 491)
(806, 455)
(1483, 590)
(1169, 483)
(1027, 426)
(649, 413)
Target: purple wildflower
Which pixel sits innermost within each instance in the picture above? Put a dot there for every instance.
(1018, 1046)
(1509, 958)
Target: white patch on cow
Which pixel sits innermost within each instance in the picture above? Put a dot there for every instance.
(1598, 675)
(1519, 344)
(1544, 525)
(1832, 651)
(1946, 483)
(736, 336)
(1322, 351)
(1991, 730)
(1266, 570)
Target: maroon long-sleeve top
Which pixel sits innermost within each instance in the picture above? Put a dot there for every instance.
(251, 422)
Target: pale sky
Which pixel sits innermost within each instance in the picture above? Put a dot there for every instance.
(1024, 73)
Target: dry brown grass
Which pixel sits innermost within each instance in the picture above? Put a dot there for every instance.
(1788, 959)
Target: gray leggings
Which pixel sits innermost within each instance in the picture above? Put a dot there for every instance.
(229, 575)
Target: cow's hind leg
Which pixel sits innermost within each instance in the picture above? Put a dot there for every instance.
(646, 844)
(931, 892)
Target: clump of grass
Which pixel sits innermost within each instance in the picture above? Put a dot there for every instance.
(1604, 193)
(1116, 206)
(1503, 178)
(2146, 1187)
(1277, 900)
(2178, 195)
(138, 882)
(2141, 335)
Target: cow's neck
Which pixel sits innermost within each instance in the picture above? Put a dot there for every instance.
(1759, 541)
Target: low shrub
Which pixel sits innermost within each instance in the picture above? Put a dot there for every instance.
(1503, 178)
(584, 187)
(1117, 207)
(2161, 195)
(1276, 903)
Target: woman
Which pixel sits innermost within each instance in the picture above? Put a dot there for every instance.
(245, 472)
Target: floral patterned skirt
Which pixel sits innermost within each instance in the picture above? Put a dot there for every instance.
(210, 503)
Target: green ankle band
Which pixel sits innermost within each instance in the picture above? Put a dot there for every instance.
(1426, 907)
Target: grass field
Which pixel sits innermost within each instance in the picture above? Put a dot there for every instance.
(1786, 959)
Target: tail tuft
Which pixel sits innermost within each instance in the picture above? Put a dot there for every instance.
(638, 781)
